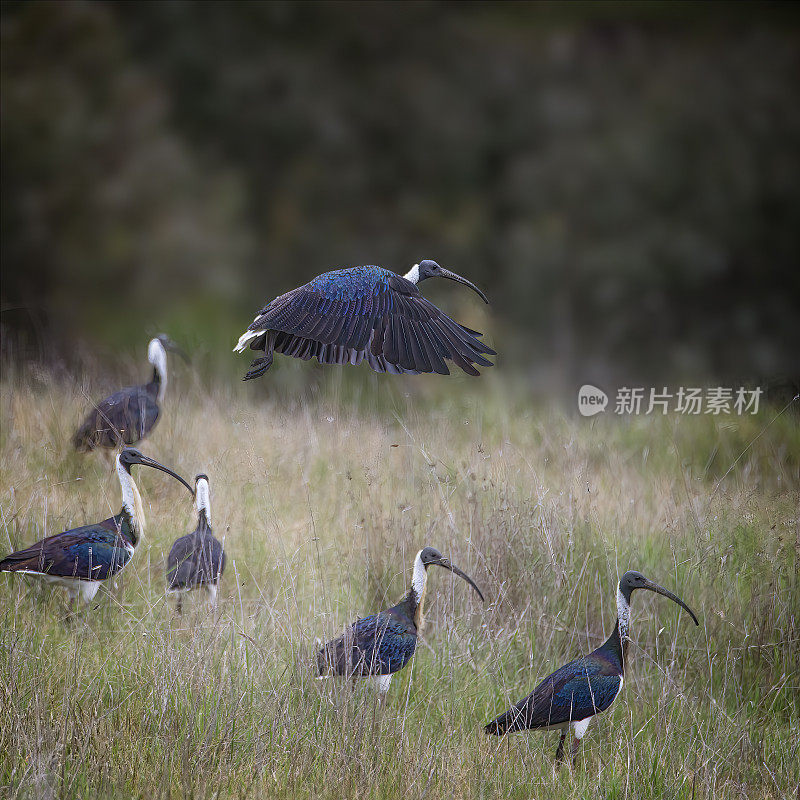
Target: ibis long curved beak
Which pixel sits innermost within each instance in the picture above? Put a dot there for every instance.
(447, 565)
(445, 273)
(145, 461)
(654, 587)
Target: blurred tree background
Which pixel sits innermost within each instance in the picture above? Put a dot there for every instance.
(621, 178)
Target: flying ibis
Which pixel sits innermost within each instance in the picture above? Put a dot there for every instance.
(382, 644)
(366, 314)
(578, 691)
(197, 559)
(82, 558)
(129, 415)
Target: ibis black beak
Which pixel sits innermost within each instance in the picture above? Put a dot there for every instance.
(445, 273)
(447, 565)
(145, 461)
(174, 348)
(654, 587)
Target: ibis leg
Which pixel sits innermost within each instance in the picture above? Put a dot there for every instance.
(574, 750)
(560, 750)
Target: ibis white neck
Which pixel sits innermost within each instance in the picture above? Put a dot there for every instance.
(419, 579)
(157, 356)
(413, 274)
(623, 614)
(203, 498)
(131, 499)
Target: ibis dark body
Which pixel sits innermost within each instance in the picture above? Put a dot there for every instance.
(366, 314)
(585, 687)
(123, 418)
(580, 689)
(82, 558)
(89, 553)
(381, 644)
(196, 560)
(129, 415)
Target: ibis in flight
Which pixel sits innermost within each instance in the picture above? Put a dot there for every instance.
(366, 314)
(82, 558)
(381, 644)
(129, 415)
(197, 559)
(578, 691)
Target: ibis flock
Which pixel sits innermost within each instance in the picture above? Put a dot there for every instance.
(348, 316)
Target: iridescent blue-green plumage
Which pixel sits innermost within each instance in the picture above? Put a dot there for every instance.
(580, 689)
(380, 644)
(363, 314)
(91, 552)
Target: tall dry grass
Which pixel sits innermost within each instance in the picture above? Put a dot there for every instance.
(322, 504)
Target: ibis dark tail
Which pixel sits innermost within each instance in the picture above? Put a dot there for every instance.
(515, 719)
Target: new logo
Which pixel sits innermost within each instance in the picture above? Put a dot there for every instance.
(591, 400)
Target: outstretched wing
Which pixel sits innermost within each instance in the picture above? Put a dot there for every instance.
(93, 552)
(375, 645)
(580, 689)
(124, 417)
(365, 314)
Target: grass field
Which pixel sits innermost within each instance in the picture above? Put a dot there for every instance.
(323, 503)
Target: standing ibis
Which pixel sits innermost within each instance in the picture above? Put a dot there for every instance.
(586, 686)
(130, 414)
(381, 644)
(366, 313)
(82, 558)
(196, 559)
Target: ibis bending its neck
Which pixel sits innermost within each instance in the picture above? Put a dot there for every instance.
(129, 414)
(580, 690)
(381, 644)
(82, 558)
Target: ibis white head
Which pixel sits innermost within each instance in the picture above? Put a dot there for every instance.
(430, 269)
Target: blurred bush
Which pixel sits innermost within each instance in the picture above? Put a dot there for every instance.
(621, 178)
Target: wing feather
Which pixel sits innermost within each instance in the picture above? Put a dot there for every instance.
(367, 314)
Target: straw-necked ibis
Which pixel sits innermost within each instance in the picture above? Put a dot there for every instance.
(366, 314)
(381, 644)
(578, 691)
(197, 559)
(127, 416)
(82, 558)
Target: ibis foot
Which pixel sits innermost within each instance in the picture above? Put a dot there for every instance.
(260, 365)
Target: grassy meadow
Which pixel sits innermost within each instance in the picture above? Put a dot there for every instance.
(322, 500)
